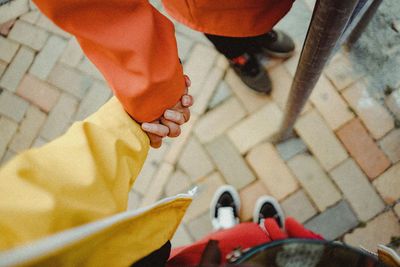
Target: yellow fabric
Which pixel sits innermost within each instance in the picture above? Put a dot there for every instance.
(84, 176)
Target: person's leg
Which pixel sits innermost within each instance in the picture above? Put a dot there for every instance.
(268, 207)
(269, 215)
(231, 47)
(241, 53)
(243, 61)
(274, 43)
(224, 208)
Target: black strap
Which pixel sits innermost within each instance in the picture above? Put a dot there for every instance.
(157, 258)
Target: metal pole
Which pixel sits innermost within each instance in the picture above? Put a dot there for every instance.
(363, 23)
(327, 23)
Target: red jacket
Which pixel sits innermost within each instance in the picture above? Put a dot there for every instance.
(134, 47)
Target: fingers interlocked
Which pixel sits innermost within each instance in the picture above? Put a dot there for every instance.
(169, 124)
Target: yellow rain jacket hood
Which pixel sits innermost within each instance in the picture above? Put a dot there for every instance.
(64, 204)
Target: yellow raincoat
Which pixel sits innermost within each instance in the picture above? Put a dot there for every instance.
(64, 204)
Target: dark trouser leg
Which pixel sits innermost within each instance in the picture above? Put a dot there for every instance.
(239, 51)
(232, 47)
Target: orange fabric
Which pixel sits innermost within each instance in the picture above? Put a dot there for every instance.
(234, 18)
(133, 46)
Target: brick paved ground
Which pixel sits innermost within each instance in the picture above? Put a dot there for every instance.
(340, 175)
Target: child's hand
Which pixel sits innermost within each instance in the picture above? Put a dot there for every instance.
(169, 123)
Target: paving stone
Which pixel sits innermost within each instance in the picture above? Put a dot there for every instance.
(48, 25)
(59, 117)
(177, 145)
(262, 125)
(12, 106)
(16, 70)
(155, 189)
(3, 66)
(314, 181)
(298, 206)
(29, 35)
(390, 144)
(184, 44)
(97, 96)
(330, 104)
(7, 157)
(47, 57)
(291, 63)
(358, 191)
(222, 62)
(396, 209)
(28, 130)
(31, 17)
(393, 103)
(201, 202)
(7, 131)
(198, 66)
(145, 177)
(340, 72)
(222, 93)
(39, 142)
(200, 227)
(72, 54)
(178, 183)
(134, 200)
(181, 237)
(334, 222)
(156, 155)
(70, 80)
(157, 4)
(87, 67)
(217, 121)
(200, 105)
(13, 9)
(290, 148)
(388, 184)
(250, 100)
(310, 4)
(281, 82)
(363, 149)
(192, 34)
(8, 49)
(377, 120)
(269, 63)
(321, 141)
(248, 199)
(269, 167)
(230, 163)
(296, 21)
(5, 28)
(39, 93)
(378, 231)
(194, 160)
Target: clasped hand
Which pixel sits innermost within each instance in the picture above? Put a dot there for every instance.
(169, 124)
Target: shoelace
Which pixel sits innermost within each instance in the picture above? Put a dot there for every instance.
(226, 217)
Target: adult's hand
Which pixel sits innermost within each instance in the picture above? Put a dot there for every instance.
(169, 124)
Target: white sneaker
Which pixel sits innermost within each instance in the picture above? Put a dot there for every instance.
(268, 207)
(225, 207)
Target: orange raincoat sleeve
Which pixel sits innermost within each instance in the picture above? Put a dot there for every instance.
(133, 46)
(83, 176)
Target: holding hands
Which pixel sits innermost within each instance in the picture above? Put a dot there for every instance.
(170, 123)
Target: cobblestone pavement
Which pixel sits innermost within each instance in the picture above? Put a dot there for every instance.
(340, 175)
